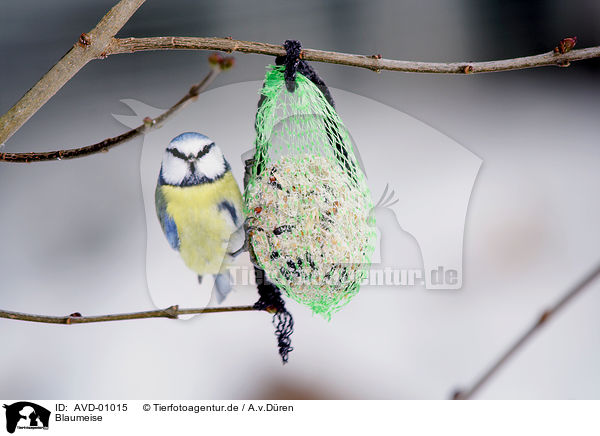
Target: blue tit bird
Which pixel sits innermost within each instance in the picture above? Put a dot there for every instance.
(199, 206)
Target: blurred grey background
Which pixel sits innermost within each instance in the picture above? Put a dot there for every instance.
(73, 232)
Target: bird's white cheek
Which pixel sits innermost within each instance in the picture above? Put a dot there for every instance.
(174, 170)
(212, 164)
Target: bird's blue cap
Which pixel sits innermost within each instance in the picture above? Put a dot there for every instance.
(188, 136)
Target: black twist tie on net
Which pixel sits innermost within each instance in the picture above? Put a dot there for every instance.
(294, 64)
(293, 49)
(270, 297)
(270, 300)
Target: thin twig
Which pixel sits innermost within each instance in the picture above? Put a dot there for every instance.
(100, 43)
(128, 45)
(172, 312)
(89, 47)
(541, 321)
(373, 62)
(107, 144)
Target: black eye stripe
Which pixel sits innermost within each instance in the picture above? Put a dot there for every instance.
(182, 156)
(204, 150)
(177, 153)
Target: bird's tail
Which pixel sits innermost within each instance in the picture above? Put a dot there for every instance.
(222, 285)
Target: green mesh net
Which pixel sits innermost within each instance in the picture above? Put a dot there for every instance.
(308, 206)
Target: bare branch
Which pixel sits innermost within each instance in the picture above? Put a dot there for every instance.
(374, 62)
(172, 312)
(90, 46)
(541, 321)
(100, 43)
(107, 144)
(128, 45)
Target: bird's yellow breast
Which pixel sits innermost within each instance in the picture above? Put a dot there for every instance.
(202, 227)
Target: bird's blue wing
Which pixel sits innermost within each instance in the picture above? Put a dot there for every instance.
(166, 221)
(233, 211)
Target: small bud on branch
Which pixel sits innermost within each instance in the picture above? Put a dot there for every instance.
(84, 40)
(565, 45)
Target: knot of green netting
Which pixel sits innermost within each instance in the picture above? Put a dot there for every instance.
(309, 210)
